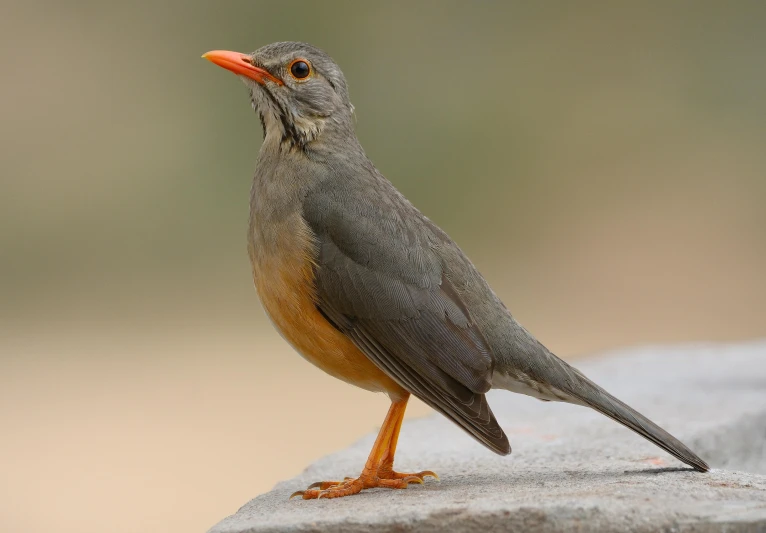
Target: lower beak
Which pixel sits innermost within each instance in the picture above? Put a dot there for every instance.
(240, 64)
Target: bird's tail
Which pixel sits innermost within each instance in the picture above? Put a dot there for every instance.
(590, 394)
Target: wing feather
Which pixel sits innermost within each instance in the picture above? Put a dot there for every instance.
(385, 287)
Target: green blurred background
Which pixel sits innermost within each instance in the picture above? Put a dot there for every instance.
(604, 165)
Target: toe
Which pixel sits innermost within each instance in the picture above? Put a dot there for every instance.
(322, 485)
(390, 474)
(392, 483)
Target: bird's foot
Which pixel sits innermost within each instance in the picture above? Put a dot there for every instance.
(387, 472)
(384, 478)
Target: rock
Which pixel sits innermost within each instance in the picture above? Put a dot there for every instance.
(571, 468)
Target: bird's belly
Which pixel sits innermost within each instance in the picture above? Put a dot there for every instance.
(285, 285)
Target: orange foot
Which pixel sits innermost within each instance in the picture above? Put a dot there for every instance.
(386, 471)
(379, 469)
(385, 479)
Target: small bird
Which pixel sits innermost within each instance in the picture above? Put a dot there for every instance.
(369, 290)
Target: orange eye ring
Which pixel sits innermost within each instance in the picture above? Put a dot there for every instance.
(300, 69)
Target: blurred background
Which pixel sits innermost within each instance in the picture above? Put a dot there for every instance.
(604, 166)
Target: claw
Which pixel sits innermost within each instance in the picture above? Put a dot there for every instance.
(425, 473)
(413, 479)
(296, 493)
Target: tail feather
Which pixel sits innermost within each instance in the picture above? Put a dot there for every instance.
(528, 367)
(594, 396)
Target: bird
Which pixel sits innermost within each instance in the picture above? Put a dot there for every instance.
(371, 291)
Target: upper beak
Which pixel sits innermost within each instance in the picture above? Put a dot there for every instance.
(240, 64)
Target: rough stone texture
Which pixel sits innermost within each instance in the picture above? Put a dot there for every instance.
(571, 469)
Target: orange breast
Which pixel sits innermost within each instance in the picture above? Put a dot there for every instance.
(284, 279)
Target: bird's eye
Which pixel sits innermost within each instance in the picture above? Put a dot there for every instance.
(300, 69)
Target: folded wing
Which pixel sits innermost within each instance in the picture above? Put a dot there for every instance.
(380, 280)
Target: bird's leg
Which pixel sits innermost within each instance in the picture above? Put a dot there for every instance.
(378, 471)
(386, 469)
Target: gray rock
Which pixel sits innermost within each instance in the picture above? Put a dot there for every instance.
(571, 468)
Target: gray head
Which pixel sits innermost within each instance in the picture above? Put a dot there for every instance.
(298, 91)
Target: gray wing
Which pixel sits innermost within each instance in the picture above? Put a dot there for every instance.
(380, 281)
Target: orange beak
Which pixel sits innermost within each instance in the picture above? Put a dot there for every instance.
(240, 64)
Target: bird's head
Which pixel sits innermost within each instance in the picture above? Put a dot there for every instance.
(298, 91)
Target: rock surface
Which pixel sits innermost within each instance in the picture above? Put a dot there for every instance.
(571, 468)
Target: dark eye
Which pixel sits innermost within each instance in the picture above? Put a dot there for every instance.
(300, 69)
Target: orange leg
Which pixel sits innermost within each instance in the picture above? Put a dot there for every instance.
(386, 468)
(378, 471)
